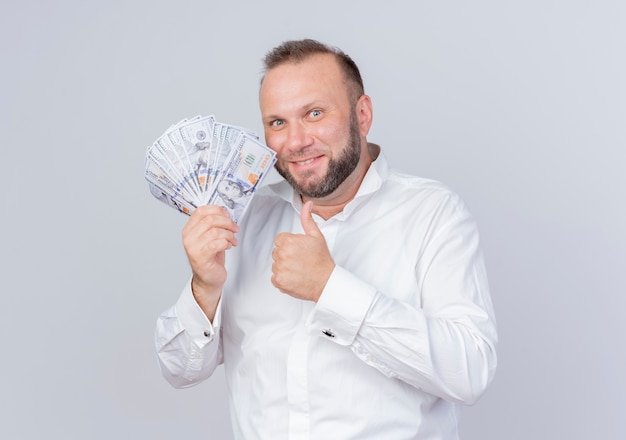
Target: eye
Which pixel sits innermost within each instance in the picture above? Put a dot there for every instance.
(277, 123)
(315, 113)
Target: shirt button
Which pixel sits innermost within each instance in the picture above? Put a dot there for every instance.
(207, 333)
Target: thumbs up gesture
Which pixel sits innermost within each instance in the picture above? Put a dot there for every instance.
(302, 262)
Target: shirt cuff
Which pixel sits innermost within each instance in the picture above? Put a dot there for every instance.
(193, 319)
(341, 308)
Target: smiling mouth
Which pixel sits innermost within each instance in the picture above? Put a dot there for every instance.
(305, 162)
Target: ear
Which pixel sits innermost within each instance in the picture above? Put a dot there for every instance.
(364, 114)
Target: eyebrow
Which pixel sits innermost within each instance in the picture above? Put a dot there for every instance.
(302, 108)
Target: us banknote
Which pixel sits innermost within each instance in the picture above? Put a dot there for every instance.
(200, 161)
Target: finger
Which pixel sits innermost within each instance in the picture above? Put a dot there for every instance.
(203, 211)
(205, 218)
(282, 238)
(197, 218)
(215, 233)
(218, 234)
(308, 224)
(201, 251)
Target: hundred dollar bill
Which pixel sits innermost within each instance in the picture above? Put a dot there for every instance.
(225, 138)
(242, 172)
(174, 144)
(196, 137)
(159, 168)
(156, 175)
(191, 142)
(179, 204)
(178, 165)
(200, 160)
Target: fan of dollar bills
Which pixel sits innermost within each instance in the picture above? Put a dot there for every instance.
(201, 161)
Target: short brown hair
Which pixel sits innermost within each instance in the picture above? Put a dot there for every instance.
(296, 51)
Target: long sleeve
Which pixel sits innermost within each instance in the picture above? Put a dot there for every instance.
(443, 342)
(188, 345)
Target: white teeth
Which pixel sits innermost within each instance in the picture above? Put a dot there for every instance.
(306, 162)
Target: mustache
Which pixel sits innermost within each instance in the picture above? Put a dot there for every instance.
(304, 154)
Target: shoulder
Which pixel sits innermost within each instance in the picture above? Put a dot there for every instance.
(428, 207)
(397, 187)
(420, 190)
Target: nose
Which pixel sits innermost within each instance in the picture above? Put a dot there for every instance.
(298, 137)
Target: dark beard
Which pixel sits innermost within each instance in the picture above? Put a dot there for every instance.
(338, 169)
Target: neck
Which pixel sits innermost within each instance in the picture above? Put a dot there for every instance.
(333, 204)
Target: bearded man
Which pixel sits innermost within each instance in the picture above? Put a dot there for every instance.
(352, 301)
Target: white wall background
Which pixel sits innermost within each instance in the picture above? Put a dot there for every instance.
(519, 106)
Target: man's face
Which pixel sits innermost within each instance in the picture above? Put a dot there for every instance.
(311, 124)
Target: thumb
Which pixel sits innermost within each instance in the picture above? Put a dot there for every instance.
(308, 224)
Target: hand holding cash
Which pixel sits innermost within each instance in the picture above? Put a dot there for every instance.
(208, 234)
(204, 162)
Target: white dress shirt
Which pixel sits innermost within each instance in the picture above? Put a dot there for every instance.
(402, 334)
